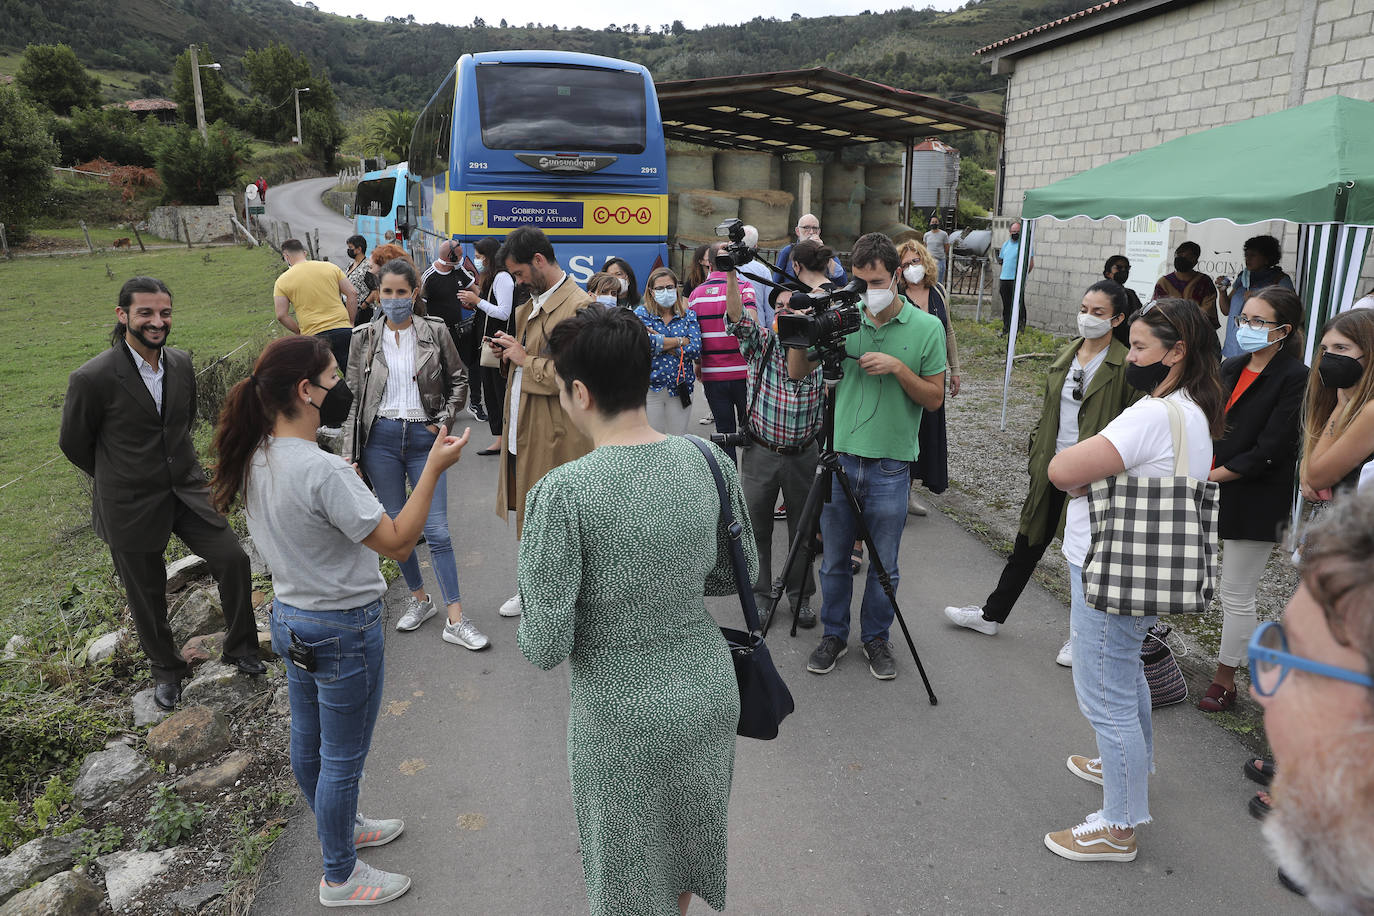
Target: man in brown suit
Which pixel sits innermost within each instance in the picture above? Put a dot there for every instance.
(127, 423)
(538, 436)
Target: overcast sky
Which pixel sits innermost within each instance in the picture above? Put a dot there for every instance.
(597, 14)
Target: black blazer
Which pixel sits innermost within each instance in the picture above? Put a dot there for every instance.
(142, 462)
(1261, 444)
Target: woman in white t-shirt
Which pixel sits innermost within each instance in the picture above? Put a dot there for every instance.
(320, 529)
(1172, 358)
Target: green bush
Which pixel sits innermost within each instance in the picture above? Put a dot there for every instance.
(43, 731)
(116, 135)
(193, 170)
(280, 165)
(77, 198)
(27, 155)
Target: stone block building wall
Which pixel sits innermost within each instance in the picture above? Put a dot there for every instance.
(1089, 101)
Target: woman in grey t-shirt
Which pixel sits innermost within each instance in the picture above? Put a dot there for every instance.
(320, 529)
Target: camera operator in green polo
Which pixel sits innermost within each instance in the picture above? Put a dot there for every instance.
(897, 371)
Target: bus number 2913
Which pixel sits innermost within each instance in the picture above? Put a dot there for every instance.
(648, 170)
(477, 165)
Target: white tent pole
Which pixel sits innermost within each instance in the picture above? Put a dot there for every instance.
(1023, 256)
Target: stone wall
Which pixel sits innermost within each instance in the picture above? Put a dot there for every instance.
(205, 224)
(1090, 101)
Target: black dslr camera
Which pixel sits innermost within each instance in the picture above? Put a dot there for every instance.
(833, 316)
(738, 251)
(726, 440)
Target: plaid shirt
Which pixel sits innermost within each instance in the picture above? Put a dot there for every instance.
(782, 412)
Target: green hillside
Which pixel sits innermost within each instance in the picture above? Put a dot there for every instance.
(397, 64)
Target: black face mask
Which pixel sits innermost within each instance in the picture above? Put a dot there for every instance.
(337, 401)
(1014, 235)
(1121, 275)
(352, 253)
(1339, 371)
(1146, 378)
(1184, 265)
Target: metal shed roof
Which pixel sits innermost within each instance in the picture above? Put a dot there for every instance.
(796, 110)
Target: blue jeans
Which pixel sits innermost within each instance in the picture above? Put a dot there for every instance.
(397, 450)
(333, 710)
(1109, 680)
(880, 484)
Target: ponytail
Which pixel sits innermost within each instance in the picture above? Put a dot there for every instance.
(253, 405)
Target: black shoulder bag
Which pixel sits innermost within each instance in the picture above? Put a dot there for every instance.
(764, 700)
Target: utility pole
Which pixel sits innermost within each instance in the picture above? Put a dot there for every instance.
(299, 138)
(200, 100)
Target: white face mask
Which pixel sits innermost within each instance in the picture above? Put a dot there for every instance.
(914, 274)
(624, 284)
(1090, 327)
(606, 300)
(665, 297)
(477, 264)
(875, 300)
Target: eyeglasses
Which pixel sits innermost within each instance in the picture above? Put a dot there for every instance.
(1270, 662)
(1255, 324)
(1152, 305)
(1077, 385)
(659, 289)
(809, 230)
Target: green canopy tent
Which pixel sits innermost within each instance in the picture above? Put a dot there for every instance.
(1312, 165)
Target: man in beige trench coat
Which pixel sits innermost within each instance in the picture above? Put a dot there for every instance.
(537, 435)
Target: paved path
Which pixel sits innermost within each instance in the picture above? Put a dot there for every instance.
(298, 204)
(870, 802)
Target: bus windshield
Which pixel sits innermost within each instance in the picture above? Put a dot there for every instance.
(541, 107)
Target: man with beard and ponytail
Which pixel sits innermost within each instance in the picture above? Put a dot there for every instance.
(1085, 389)
(127, 423)
(1187, 282)
(896, 371)
(1312, 674)
(538, 435)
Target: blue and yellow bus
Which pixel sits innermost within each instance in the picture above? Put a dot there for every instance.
(379, 207)
(569, 143)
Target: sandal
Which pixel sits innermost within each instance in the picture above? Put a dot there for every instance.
(1260, 770)
(856, 559)
(1260, 805)
(1217, 699)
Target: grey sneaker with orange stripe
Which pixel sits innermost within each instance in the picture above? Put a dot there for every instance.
(367, 886)
(369, 831)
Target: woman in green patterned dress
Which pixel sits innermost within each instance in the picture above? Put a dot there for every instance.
(616, 553)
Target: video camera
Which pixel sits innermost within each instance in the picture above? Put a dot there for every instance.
(834, 315)
(742, 247)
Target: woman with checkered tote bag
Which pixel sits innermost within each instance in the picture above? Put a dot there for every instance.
(1140, 538)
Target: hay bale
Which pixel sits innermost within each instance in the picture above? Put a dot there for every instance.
(876, 215)
(841, 224)
(844, 183)
(766, 211)
(883, 181)
(700, 211)
(690, 169)
(743, 170)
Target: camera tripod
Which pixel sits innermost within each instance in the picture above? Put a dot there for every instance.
(803, 546)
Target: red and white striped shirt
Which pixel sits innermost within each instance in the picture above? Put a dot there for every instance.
(721, 360)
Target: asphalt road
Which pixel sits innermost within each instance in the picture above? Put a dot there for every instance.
(871, 801)
(298, 204)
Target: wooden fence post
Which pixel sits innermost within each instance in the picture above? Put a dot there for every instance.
(186, 230)
(87, 234)
(141, 246)
(4, 243)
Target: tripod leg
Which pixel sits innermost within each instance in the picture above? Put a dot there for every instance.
(804, 544)
(884, 578)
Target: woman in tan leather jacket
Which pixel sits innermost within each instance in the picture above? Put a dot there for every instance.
(409, 382)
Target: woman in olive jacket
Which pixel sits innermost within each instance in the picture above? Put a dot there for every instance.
(1100, 398)
(1255, 462)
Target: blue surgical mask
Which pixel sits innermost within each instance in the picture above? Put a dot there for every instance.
(666, 298)
(1251, 340)
(1244, 278)
(606, 300)
(477, 264)
(398, 310)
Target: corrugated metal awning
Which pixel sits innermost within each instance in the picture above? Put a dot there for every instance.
(797, 110)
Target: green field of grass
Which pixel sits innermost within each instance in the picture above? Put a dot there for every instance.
(101, 236)
(56, 313)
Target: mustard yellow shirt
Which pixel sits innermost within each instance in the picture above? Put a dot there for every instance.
(313, 288)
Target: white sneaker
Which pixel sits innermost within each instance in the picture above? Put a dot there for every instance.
(1089, 768)
(415, 613)
(511, 608)
(1065, 656)
(707, 421)
(466, 635)
(972, 617)
(331, 432)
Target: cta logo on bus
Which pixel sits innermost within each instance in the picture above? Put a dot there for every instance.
(580, 165)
